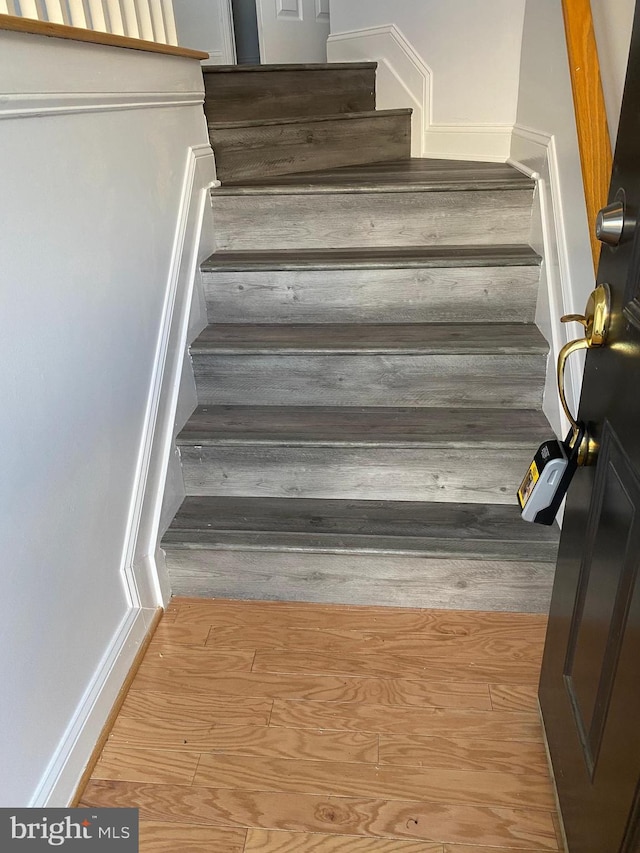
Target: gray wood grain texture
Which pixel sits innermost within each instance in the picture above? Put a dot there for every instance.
(374, 257)
(335, 220)
(323, 502)
(406, 175)
(369, 579)
(370, 339)
(492, 381)
(484, 294)
(480, 475)
(268, 67)
(277, 147)
(364, 427)
(234, 93)
(430, 529)
(234, 129)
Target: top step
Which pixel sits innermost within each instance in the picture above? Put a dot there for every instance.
(243, 92)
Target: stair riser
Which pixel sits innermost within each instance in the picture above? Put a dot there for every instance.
(465, 295)
(263, 151)
(337, 220)
(243, 95)
(466, 475)
(487, 381)
(370, 579)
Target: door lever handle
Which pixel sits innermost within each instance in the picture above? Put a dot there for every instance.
(574, 318)
(563, 355)
(596, 326)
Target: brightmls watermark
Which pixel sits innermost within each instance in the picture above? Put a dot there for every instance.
(69, 829)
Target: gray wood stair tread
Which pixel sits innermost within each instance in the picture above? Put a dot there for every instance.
(395, 257)
(409, 175)
(317, 66)
(364, 426)
(480, 531)
(270, 122)
(359, 338)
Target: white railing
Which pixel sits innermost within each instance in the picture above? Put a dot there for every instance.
(151, 20)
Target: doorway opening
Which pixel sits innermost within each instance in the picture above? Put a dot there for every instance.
(245, 25)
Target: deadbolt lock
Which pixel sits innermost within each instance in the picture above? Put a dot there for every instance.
(610, 223)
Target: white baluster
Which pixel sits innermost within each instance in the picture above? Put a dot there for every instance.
(54, 11)
(157, 17)
(130, 19)
(77, 14)
(29, 9)
(98, 18)
(4, 8)
(116, 23)
(169, 22)
(144, 19)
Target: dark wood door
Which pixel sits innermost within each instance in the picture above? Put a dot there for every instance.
(590, 684)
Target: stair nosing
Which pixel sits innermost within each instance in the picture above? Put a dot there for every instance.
(276, 537)
(274, 122)
(437, 548)
(210, 440)
(307, 433)
(202, 346)
(311, 66)
(376, 258)
(369, 186)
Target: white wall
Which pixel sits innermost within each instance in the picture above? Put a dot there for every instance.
(472, 55)
(206, 25)
(101, 206)
(545, 140)
(612, 22)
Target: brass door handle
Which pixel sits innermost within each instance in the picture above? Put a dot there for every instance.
(596, 326)
(563, 355)
(574, 318)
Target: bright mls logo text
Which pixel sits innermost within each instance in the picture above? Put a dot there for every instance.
(60, 831)
(81, 829)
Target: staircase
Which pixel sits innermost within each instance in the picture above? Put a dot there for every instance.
(371, 380)
(277, 119)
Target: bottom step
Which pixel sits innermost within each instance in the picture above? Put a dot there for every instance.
(408, 554)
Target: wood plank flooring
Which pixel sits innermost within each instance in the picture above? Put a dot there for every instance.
(271, 727)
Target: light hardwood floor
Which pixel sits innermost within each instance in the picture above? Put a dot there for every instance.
(269, 727)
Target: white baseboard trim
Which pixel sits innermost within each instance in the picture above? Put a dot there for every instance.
(146, 585)
(534, 153)
(62, 777)
(405, 80)
(487, 143)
